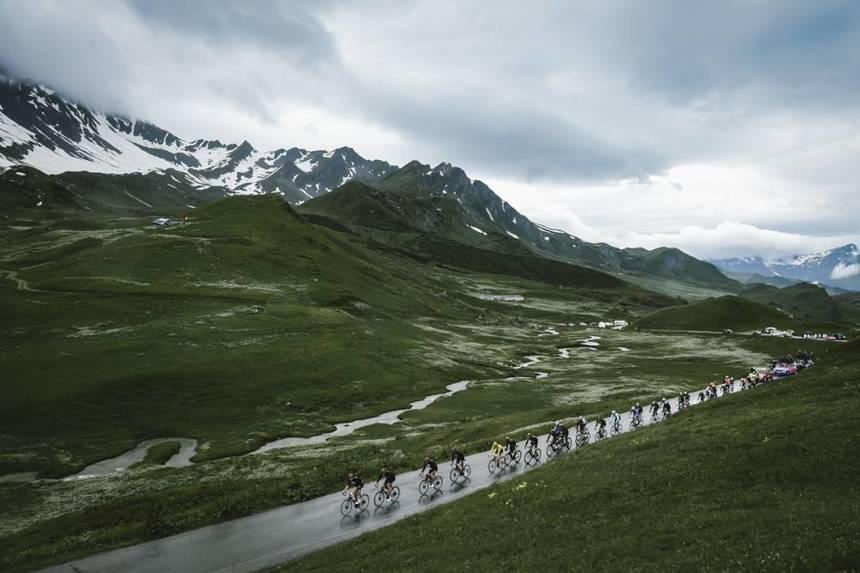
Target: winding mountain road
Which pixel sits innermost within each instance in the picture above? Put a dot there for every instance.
(276, 536)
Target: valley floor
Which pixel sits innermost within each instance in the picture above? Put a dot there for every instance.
(249, 325)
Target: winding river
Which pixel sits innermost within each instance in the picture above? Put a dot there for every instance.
(346, 428)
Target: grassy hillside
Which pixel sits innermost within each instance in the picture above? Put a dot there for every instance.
(761, 480)
(436, 229)
(715, 314)
(803, 301)
(244, 325)
(134, 332)
(29, 188)
(674, 264)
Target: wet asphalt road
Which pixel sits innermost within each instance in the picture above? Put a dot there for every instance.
(273, 537)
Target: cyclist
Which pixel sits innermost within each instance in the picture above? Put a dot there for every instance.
(753, 377)
(615, 419)
(667, 408)
(654, 409)
(458, 460)
(636, 414)
(388, 484)
(354, 485)
(581, 424)
(431, 468)
(558, 433)
(511, 447)
(496, 450)
(531, 443)
(564, 433)
(601, 426)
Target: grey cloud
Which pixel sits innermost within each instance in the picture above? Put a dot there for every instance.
(522, 141)
(265, 24)
(570, 92)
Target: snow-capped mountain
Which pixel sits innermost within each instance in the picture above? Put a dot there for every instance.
(839, 267)
(41, 129)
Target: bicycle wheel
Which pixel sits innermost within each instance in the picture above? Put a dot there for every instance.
(568, 444)
(422, 487)
(379, 498)
(467, 471)
(437, 483)
(453, 475)
(346, 507)
(365, 501)
(537, 455)
(395, 493)
(492, 466)
(518, 456)
(528, 458)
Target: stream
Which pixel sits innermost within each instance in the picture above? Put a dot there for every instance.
(346, 428)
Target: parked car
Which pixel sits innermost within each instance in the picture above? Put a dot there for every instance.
(784, 370)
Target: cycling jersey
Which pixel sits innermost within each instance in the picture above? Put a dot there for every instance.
(512, 446)
(458, 458)
(387, 475)
(533, 442)
(430, 464)
(496, 449)
(355, 481)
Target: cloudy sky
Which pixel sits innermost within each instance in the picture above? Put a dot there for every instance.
(724, 128)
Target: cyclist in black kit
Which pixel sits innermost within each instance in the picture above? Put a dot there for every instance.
(601, 427)
(458, 460)
(388, 484)
(531, 442)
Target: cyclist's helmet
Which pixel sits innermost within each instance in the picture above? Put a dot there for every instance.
(614, 412)
(508, 439)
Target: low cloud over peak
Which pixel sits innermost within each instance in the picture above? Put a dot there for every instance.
(638, 119)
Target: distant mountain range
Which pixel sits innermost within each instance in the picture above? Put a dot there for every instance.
(839, 267)
(135, 164)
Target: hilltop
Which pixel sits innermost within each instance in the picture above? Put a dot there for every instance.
(716, 314)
